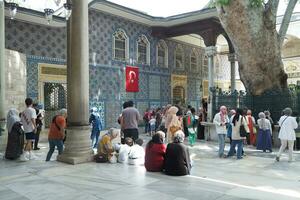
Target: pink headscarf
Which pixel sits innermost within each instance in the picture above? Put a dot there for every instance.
(223, 112)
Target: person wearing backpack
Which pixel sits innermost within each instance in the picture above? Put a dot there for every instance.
(57, 133)
(238, 134)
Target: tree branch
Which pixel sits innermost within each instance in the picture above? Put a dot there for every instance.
(286, 20)
(271, 10)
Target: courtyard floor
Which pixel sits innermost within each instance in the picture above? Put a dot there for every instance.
(257, 176)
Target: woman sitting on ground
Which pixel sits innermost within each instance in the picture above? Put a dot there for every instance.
(155, 153)
(105, 147)
(136, 156)
(124, 150)
(264, 141)
(177, 159)
(15, 140)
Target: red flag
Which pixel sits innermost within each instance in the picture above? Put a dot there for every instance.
(132, 79)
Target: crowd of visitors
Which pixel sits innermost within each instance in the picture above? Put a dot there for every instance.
(168, 127)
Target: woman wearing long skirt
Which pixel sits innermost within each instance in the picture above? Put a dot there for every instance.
(15, 140)
(264, 141)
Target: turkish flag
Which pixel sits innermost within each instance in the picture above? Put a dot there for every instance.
(132, 79)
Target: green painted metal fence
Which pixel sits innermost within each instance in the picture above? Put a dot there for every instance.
(274, 101)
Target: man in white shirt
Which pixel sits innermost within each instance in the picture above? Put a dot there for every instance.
(28, 117)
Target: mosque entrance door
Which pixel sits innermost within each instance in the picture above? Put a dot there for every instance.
(179, 89)
(52, 89)
(179, 95)
(55, 98)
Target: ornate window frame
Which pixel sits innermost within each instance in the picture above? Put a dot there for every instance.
(162, 44)
(143, 38)
(122, 33)
(179, 47)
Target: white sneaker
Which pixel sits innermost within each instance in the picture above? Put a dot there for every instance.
(23, 157)
(32, 156)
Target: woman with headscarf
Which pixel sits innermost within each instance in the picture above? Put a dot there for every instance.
(268, 116)
(252, 129)
(229, 126)
(177, 159)
(155, 153)
(264, 141)
(105, 147)
(287, 135)
(172, 123)
(221, 120)
(15, 140)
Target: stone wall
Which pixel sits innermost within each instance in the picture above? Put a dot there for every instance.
(15, 66)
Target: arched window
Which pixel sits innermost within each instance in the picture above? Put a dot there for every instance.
(162, 54)
(143, 50)
(120, 45)
(179, 56)
(194, 61)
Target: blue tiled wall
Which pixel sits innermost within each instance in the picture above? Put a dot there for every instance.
(107, 79)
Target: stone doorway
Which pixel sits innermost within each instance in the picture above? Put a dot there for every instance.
(52, 89)
(179, 89)
(179, 95)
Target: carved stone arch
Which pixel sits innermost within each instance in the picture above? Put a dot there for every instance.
(120, 34)
(143, 39)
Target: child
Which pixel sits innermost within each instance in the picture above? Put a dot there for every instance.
(152, 123)
(136, 155)
(124, 150)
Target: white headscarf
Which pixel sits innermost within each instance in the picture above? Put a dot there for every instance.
(12, 118)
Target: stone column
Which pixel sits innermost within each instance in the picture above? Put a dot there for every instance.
(210, 52)
(232, 59)
(2, 78)
(78, 144)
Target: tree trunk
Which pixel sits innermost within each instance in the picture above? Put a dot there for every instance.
(252, 31)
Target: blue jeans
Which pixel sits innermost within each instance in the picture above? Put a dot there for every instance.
(52, 144)
(239, 152)
(95, 138)
(147, 127)
(221, 144)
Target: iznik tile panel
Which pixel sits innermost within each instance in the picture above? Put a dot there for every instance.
(154, 87)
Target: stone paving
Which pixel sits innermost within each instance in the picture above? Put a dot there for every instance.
(257, 176)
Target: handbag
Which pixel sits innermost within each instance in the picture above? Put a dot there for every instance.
(101, 158)
(243, 132)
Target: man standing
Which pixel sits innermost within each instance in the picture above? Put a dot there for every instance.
(57, 133)
(28, 117)
(129, 121)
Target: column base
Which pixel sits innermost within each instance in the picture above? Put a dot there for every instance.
(77, 146)
(3, 136)
(3, 142)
